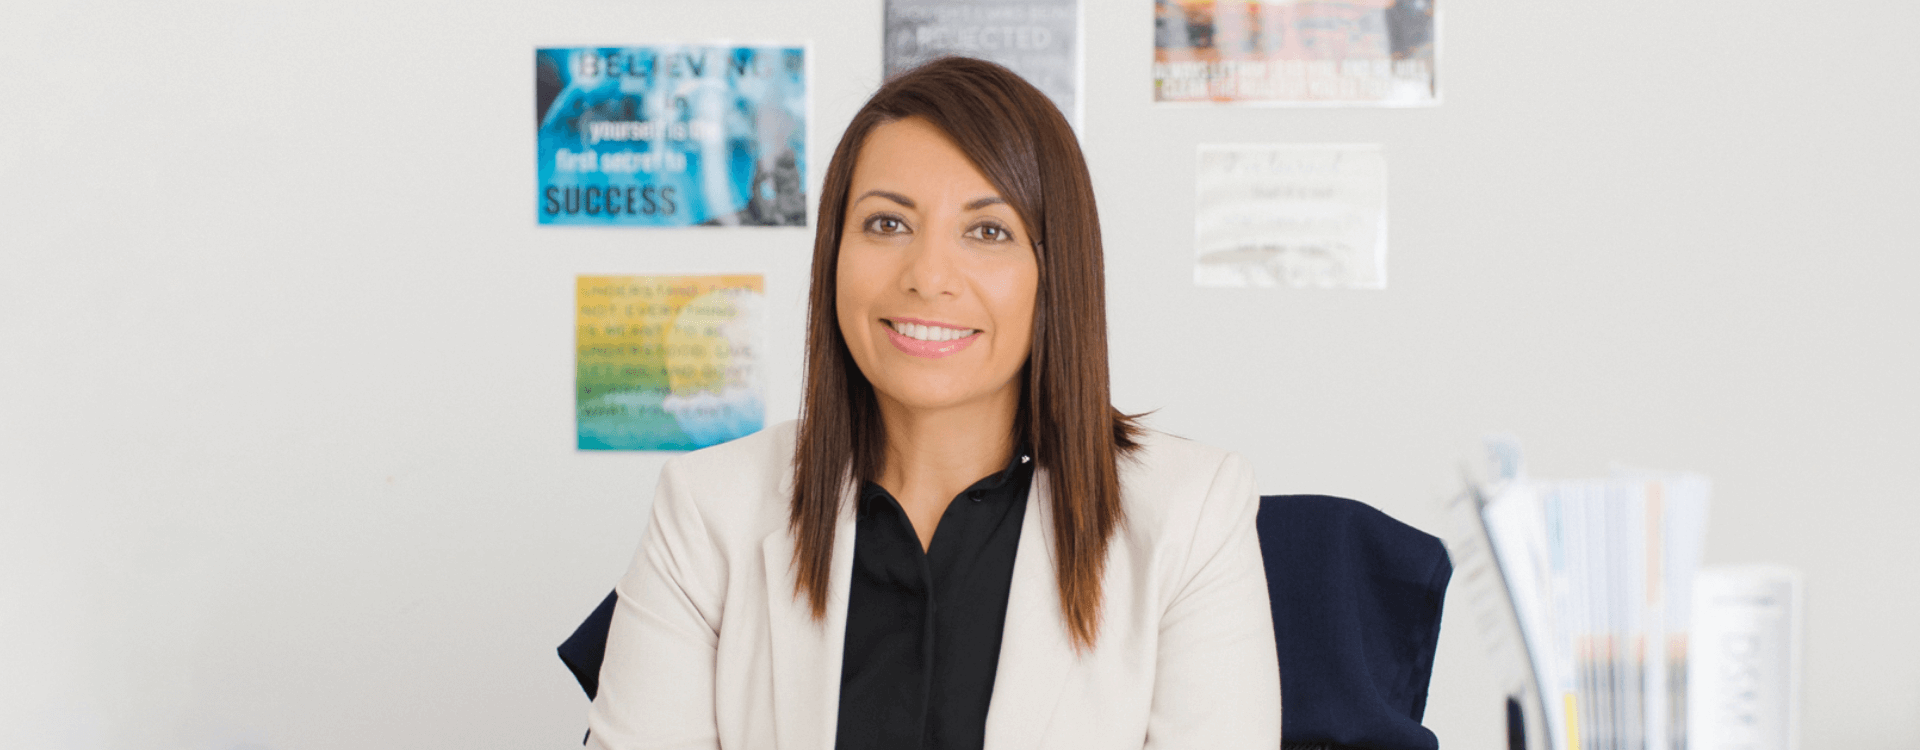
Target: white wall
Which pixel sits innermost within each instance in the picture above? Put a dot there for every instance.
(285, 366)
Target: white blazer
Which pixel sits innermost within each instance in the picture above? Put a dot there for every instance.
(710, 647)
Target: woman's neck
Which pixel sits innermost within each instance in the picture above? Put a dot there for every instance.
(934, 454)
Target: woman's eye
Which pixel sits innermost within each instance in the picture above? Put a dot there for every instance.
(992, 233)
(886, 225)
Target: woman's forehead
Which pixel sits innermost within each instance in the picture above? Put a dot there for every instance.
(912, 157)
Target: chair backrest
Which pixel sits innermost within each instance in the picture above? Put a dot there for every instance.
(1356, 615)
(587, 647)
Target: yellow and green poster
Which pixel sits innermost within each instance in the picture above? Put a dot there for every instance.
(667, 362)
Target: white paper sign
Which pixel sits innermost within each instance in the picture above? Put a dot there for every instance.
(1295, 216)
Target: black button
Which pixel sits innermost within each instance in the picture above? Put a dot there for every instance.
(976, 494)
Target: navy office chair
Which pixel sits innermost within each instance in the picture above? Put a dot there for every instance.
(1356, 615)
(587, 647)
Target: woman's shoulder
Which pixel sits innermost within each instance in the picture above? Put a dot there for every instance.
(1162, 459)
(771, 449)
(1169, 484)
(741, 484)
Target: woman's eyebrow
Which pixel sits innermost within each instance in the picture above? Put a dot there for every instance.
(892, 196)
(980, 203)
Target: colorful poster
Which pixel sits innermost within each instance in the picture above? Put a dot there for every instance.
(1296, 216)
(670, 135)
(667, 362)
(1039, 39)
(1343, 52)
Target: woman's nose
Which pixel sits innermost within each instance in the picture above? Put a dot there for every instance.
(932, 268)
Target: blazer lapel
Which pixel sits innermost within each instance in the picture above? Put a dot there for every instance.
(806, 653)
(1035, 655)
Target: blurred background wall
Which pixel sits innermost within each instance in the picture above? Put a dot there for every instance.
(286, 448)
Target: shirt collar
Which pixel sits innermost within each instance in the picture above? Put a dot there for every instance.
(1020, 462)
(1022, 459)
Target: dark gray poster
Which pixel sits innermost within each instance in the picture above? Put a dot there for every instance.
(1039, 39)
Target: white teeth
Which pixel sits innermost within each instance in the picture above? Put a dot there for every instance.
(930, 333)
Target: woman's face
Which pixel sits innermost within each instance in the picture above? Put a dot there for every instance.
(936, 276)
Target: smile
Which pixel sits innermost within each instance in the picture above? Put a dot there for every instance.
(930, 340)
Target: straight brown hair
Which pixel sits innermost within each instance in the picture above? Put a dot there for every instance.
(1016, 137)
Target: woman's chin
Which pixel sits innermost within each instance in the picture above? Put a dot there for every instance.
(929, 397)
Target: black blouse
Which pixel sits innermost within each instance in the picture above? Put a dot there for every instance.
(923, 627)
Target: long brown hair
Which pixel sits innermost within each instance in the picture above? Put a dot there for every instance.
(1019, 140)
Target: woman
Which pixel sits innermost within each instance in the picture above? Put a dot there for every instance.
(961, 543)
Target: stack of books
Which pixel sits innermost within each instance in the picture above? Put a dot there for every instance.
(1585, 589)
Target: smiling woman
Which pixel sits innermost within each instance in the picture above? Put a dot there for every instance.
(961, 543)
(929, 236)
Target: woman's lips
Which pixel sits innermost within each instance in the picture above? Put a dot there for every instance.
(928, 349)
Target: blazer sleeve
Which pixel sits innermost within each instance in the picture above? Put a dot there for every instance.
(1217, 679)
(657, 680)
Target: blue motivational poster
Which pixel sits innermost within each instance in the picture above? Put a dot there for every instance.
(672, 135)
